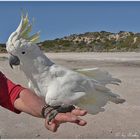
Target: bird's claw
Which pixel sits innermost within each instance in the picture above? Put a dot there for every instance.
(52, 115)
(59, 109)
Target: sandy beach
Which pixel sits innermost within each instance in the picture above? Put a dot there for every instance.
(117, 121)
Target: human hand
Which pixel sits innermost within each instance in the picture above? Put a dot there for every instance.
(72, 117)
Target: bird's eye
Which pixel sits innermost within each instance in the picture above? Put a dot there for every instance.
(23, 52)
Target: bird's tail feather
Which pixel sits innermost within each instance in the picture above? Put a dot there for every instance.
(117, 100)
(95, 101)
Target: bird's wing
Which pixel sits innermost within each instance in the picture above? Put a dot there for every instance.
(82, 91)
(102, 76)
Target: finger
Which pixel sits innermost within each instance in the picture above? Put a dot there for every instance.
(51, 126)
(81, 122)
(69, 117)
(65, 117)
(79, 112)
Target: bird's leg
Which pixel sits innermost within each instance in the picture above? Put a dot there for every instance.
(59, 109)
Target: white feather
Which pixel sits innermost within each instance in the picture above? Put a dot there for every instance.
(102, 76)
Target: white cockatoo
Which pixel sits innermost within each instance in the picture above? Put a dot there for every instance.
(59, 86)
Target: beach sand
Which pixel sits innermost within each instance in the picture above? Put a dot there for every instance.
(117, 121)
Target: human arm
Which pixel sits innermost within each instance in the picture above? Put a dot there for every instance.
(19, 99)
(30, 103)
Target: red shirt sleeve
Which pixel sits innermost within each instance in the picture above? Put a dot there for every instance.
(9, 92)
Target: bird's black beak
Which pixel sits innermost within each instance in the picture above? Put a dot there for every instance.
(13, 60)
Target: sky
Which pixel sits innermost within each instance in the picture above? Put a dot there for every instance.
(58, 19)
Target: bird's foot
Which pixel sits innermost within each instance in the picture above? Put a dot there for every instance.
(59, 109)
(65, 109)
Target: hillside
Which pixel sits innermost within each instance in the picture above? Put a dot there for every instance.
(92, 42)
(2, 48)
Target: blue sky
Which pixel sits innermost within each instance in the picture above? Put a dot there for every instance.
(58, 19)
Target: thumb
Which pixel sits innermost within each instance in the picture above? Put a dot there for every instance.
(52, 126)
